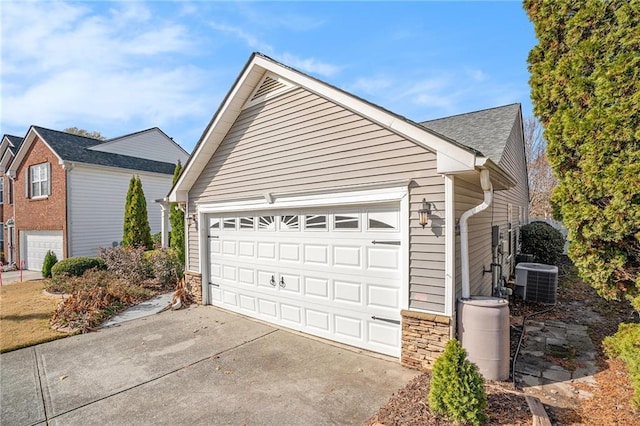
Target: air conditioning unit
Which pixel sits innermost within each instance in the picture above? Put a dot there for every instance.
(537, 282)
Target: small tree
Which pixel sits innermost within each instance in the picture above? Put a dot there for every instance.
(50, 259)
(457, 387)
(85, 133)
(136, 230)
(177, 222)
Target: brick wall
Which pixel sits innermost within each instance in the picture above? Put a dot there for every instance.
(49, 213)
(7, 213)
(193, 282)
(424, 337)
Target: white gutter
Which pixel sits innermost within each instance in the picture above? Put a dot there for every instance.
(485, 183)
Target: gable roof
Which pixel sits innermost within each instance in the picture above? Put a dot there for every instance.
(452, 156)
(8, 148)
(134, 134)
(486, 130)
(75, 148)
(15, 141)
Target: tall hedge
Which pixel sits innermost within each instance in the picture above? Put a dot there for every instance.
(585, 87)
(136, 230)
(177, 222)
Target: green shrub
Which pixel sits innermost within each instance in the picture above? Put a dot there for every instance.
(543, 241)
(76, 266)
(625, 345)
(457, 387)
(50, 259)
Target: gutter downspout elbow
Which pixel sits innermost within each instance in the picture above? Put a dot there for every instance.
(487, 188)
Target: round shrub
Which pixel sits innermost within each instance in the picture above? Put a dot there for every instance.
(76, 266)
(50, 259)
(543, 241)
(457, 387)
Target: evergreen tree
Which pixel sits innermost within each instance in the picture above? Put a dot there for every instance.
(177, 222)
(585, 87)
(136, 231)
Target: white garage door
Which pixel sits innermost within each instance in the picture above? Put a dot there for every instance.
(35, 245)
(332, 274)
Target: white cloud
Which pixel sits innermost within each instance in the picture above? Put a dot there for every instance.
(309, 65)
(252, 41)
(371, 84)
(477, 75)
(66, 64)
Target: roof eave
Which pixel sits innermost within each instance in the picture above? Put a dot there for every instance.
(451, 156)
(500, 178)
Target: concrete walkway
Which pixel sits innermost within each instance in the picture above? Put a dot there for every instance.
(555, 357)
(197, 366)
(141, 310)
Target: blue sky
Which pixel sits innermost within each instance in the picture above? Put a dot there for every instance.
(120, 67)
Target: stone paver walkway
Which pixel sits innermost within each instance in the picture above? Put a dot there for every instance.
(554, 358)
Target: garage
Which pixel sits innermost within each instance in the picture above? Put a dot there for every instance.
(335, 274)
(35, 244)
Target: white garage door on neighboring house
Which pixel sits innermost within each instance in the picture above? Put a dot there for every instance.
(35, 244)
(336, 274)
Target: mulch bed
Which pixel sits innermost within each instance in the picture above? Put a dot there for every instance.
(410, 407)
(611, 404)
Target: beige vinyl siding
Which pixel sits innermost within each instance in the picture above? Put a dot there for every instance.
(298, 142)
(514, 161)
(469, 194)
(193, 263)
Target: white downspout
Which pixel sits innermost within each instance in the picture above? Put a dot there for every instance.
(485, 183)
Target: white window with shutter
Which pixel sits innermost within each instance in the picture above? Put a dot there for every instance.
(38, 181)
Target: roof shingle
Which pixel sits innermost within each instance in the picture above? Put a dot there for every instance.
(72, 147)
(486, 130)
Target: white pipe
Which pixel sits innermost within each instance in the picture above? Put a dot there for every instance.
(485, 182)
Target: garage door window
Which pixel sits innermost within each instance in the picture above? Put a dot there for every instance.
(267, 223)
(346, 221)
(289, 223)
(214, 224)
(383, 220)
(229, 223)
(315, 222)
(247, 223)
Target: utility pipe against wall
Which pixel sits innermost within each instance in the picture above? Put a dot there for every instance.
(485, 183)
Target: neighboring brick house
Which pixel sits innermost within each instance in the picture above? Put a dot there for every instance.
(66, 193)
(8, 148)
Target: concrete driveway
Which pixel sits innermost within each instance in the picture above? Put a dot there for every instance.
(197, 366)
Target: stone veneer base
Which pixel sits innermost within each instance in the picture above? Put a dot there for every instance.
(424, 337)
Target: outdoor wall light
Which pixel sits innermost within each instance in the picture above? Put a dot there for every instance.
(192, 219)
(424, 213)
